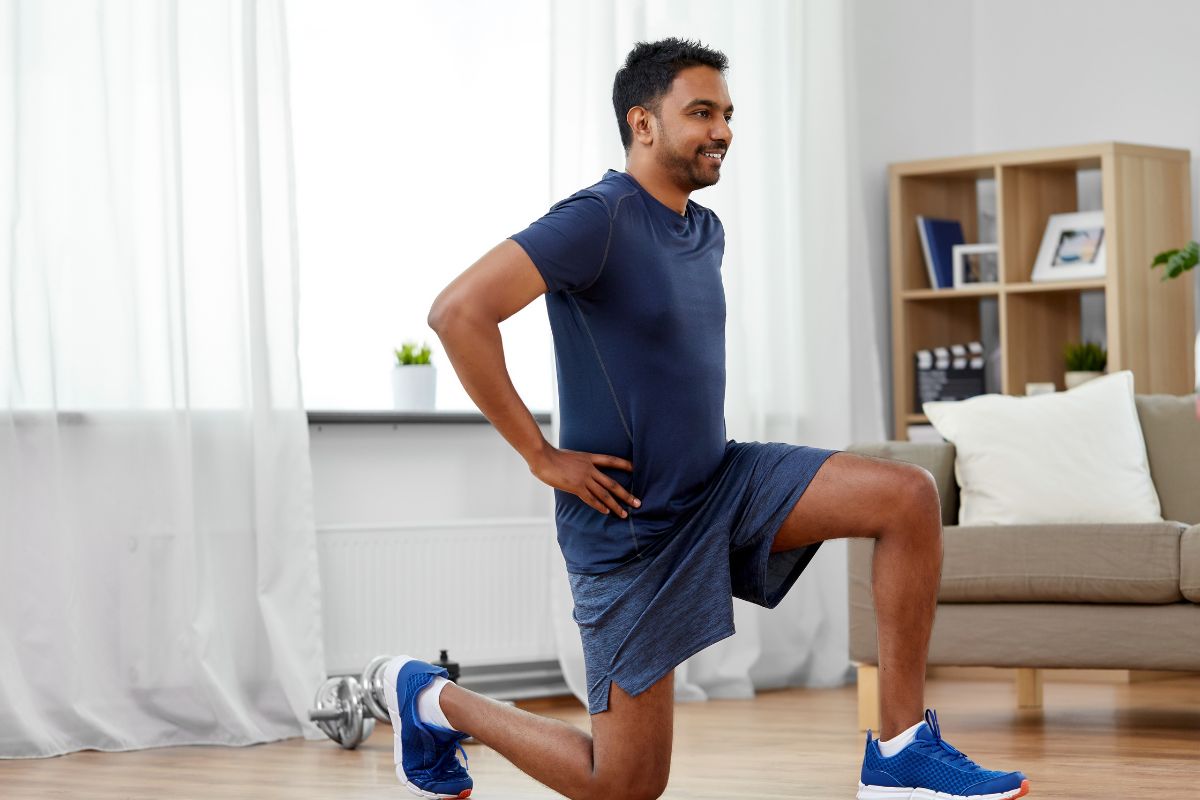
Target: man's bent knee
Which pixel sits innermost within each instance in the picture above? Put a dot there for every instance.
(918, 506)
(629, 783)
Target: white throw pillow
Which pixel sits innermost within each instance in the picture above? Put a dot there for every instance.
(1068, 457)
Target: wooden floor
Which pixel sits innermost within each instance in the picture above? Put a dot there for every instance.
(1091, 741)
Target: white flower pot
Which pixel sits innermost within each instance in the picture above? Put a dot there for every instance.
(414, 387)
(1074, 379)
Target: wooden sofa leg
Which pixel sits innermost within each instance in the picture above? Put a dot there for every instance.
(1029, 688)
(868, 697)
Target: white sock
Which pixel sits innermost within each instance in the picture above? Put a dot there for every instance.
(429, 705)
(899, 741)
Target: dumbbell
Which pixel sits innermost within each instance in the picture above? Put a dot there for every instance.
(339, 712)
(346, 708)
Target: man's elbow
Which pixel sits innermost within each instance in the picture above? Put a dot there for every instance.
(448, 310)
(440, 314)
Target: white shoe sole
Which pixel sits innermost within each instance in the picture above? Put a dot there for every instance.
(390, 671)
(892, 793)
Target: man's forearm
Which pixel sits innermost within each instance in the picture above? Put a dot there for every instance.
(476, 352)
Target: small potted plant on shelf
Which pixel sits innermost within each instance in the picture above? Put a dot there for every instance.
(1175, 263)
(1084, 362)
(414, 378)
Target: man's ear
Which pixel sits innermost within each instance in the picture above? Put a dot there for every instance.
(639, 120)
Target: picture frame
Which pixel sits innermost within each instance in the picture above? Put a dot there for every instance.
(1072, 248)
(976, 264)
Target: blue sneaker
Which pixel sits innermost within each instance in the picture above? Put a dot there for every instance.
(426, 755)
(930, 769)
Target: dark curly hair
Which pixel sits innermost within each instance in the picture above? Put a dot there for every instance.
(648, 72)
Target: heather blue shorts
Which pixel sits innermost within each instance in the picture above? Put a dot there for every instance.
(641, 620)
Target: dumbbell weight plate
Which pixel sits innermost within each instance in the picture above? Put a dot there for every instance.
(343, 697)
(374, 699)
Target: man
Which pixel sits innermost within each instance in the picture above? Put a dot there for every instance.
(661, 520)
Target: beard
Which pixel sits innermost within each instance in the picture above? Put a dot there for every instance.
(684, 166)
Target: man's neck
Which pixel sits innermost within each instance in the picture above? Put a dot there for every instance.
(659, 186)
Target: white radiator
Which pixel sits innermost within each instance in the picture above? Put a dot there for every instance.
(477, 588)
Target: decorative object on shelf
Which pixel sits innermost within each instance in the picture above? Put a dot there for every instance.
(949, 373)
(938, 237)
(1084, 362)
(1178, 262)
(414, 378)
(1034, 389)
(975, 264)
(1072, 248)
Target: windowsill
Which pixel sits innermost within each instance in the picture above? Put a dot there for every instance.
(384, 417)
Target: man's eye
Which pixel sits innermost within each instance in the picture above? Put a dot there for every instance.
(702, 113)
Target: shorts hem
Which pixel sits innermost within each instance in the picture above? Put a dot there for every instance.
(657, 674)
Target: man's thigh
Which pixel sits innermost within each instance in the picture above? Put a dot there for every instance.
(853, 496)
(631, 741)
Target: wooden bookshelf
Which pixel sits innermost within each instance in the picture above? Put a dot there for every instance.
(1146, 197)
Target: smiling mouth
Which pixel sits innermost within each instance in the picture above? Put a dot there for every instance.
(717, 156)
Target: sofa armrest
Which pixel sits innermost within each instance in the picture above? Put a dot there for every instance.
(936, 457)
(1189, 564)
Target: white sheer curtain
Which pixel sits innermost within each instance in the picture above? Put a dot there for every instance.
(803, 366)
(158, 575)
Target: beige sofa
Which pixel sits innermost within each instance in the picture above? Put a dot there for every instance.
(1100, 596)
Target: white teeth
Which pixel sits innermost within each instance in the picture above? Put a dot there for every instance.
(717, 156)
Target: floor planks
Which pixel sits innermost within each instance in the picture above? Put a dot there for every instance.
(1090, 741)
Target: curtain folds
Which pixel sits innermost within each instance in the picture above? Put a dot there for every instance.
(158, 574)
(802, 362)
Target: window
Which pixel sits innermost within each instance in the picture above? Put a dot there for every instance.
(421, 133)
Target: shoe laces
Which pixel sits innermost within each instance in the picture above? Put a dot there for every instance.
(939, 748)
(447, 761)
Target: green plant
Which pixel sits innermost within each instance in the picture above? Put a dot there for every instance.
(1086, 357)
(1178, 261)
(409, 354)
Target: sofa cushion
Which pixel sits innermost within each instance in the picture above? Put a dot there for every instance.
(1189, 564)
(1084, 563)
(1064, 458)
(1172, 435)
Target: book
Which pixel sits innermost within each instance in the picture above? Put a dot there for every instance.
(938, 237)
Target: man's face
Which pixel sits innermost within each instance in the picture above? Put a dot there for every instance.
(693, 128)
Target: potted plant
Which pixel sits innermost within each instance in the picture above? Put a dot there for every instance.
(414, 378)
(1175, 263)
(1084, 362)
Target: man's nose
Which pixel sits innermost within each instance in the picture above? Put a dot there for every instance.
(722, 132)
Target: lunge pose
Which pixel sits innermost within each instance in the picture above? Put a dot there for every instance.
(661, 519)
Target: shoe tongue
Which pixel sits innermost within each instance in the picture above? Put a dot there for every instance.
(925, 733)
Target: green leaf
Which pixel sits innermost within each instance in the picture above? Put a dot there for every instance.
(1178, 261)
(1162, 257)
(408, 353)
(1087, 357)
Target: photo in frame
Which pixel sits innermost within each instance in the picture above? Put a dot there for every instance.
(1072, 248)
(976, 264)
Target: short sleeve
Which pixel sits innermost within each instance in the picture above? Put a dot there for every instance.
(570, 243)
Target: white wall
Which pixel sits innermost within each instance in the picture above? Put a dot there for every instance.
(910, 63)
(946, 77)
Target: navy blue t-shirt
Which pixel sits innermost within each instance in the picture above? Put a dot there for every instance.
(637, 311)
